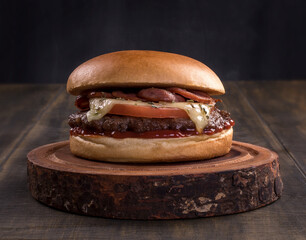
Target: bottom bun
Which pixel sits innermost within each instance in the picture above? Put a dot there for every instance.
(140, 150)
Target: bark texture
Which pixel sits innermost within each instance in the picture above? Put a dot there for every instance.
(187, 191)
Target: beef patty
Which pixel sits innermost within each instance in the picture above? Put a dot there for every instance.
(218, 120)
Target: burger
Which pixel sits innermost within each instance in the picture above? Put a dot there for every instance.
(147, 106)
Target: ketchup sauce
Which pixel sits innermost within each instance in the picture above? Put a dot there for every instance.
(151, 134)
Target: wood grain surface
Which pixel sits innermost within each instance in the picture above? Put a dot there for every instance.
(35, 115)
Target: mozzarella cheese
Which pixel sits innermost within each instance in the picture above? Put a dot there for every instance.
(198, 112)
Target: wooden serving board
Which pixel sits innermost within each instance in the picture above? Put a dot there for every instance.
(245, 179)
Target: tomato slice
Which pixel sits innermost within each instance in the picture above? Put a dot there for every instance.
(147, 111)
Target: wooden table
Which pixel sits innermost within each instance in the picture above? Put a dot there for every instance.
(271, 114)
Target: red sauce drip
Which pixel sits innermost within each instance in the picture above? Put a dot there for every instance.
(152, 134)
(129, 134)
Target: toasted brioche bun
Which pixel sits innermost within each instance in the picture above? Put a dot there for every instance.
(137, 68)
(139, 150)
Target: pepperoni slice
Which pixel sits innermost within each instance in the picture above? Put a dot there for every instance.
(157, 95)
(82, 102)
(99, 95)
(197, 96)
(127, 96)
(179, 98)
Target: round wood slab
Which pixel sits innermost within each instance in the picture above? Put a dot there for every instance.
(246, 178)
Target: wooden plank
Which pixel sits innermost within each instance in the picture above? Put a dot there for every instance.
(23, 217)
(282, 107)
(22, 107)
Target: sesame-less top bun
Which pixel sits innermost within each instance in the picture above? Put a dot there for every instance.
(137, 68)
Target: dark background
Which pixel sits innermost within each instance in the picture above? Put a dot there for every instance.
(43, 41)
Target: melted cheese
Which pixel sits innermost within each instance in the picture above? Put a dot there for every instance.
(198, 112)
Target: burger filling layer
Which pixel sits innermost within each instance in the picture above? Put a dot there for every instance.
(118, 117)
(120, 126)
